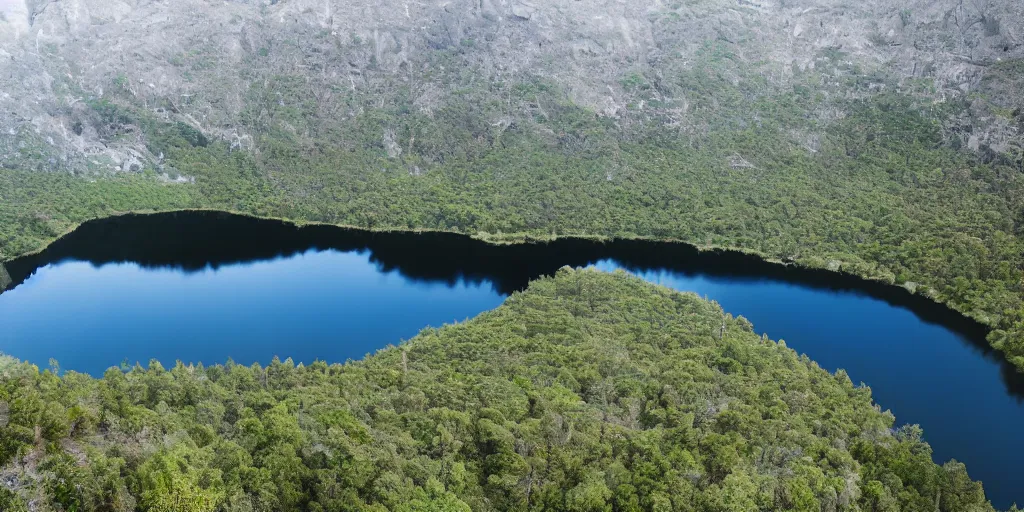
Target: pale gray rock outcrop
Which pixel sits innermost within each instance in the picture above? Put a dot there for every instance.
(201, 63)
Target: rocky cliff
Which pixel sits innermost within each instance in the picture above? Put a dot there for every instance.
(215, 65)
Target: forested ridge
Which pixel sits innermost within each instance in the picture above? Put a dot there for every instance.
(586, 392)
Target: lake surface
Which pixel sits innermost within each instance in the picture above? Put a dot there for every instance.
(210, 286)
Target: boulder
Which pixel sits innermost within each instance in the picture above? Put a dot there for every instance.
(523, 10)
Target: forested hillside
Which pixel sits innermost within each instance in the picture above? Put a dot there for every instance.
(586, 392)
(881, 138)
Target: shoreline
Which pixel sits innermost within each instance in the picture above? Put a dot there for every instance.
(879, 285)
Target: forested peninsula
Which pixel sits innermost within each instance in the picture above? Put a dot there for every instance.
(586, 392)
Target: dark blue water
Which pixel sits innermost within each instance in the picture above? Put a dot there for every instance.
(330, 306)
(203, 287)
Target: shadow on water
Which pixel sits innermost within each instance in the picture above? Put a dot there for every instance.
(194, 241)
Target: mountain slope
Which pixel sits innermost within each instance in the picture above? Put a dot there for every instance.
(218, 66)
(878, 138)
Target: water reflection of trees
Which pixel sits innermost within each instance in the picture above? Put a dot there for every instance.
(193, 241)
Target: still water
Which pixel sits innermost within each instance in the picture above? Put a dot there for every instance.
(208, 287)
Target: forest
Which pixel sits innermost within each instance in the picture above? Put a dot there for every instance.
(883, 140)
(587, 391)
(881, 192)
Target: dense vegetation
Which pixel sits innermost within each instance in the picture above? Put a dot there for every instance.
(586, 392)
(878, 190)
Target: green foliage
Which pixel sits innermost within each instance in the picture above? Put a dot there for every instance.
(172, 481)
(29, 218)
(10, 501)
(867, 185)
(587, 392)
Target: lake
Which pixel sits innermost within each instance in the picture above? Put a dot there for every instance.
(204, 286)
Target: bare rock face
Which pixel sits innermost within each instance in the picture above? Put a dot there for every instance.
(14, 13)
(523, 10)
(394, 150)
(205, 63)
